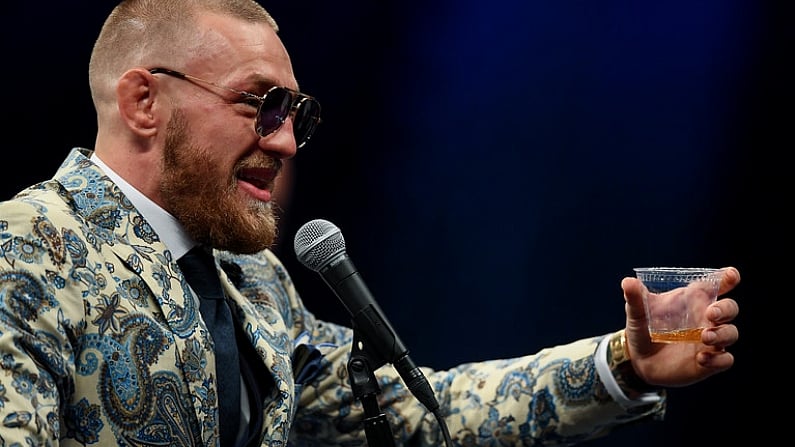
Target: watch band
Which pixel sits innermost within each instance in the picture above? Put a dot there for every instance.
(618, 360)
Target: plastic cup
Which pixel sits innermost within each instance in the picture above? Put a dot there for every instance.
(677, 299)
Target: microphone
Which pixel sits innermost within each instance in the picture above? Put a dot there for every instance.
(319, 246)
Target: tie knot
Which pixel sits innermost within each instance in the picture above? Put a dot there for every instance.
(198, 266)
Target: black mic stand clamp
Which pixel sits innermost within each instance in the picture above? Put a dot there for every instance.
(365, 388)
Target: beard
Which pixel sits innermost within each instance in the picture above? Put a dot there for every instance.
(206, 200)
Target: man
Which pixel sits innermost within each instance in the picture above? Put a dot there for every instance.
(103, 332)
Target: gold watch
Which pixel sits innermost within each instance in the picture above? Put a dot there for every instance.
(618, 359)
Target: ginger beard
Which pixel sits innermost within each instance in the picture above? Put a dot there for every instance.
(206, 200)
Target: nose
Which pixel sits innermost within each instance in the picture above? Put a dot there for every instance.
(281, 143)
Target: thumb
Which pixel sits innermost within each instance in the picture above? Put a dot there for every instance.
(633, 295)
(637, 328)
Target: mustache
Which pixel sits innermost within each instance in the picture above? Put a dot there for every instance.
(261, 161)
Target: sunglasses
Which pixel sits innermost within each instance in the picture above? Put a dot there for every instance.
(273, 108)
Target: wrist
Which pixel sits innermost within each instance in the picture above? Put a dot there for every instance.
(620, 364)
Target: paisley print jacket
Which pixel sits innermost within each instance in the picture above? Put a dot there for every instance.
(101, 344)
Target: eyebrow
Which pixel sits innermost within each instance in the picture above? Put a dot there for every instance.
(263, 83)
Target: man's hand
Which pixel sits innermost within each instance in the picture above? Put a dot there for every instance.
(681, 364)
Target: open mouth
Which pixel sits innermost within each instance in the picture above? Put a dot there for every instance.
(260, 178)
(257, 182)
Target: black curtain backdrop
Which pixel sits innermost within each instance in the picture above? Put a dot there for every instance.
(497, 168)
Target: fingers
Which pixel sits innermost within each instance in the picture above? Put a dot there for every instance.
(730, 279)
(723, 311)
(716, 361)
(721, 336)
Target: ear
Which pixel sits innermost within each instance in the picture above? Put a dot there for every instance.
(138, 103)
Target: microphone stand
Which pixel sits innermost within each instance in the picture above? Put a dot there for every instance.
(365, 388)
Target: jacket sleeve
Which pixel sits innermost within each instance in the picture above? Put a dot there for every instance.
(37, 356)
(553, 396)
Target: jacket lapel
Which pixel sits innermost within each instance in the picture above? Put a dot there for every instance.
(124, 231)
(266, 331)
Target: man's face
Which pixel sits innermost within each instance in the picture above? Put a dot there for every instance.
(203, 193)
(217, 174)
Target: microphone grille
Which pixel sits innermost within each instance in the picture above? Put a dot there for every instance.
(317, 243)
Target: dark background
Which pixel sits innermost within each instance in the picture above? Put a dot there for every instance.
(497, 167)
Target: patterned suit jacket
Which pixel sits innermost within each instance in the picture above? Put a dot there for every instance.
(102, 344)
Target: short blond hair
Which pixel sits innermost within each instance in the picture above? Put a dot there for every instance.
(155, 32)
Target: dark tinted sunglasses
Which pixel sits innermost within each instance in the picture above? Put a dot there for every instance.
(273, 108)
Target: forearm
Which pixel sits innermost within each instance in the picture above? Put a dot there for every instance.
(554, 396)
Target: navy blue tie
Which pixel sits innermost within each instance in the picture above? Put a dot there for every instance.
(199, 269)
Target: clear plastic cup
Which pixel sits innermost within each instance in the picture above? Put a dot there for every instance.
(677, 299)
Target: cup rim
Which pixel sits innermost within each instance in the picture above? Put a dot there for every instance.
(676, 269)
(651, 275)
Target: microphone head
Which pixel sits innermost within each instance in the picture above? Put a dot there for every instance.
(317, 243)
